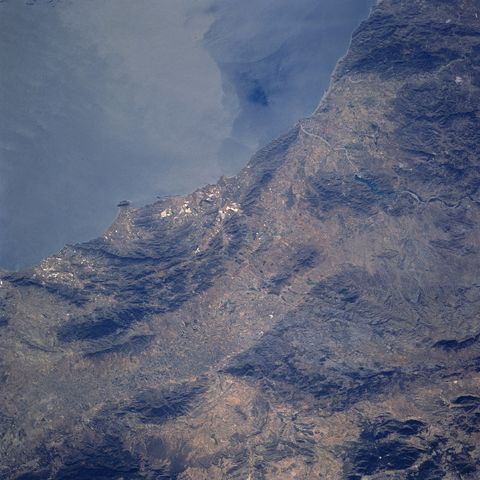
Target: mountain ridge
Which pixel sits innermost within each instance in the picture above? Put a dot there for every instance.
(315, 316)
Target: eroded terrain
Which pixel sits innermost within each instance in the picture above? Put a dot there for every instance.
(314, 317)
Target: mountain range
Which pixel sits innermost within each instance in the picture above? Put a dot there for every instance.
(314, 317)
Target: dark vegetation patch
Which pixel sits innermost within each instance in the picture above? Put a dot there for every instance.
(249, 203)
(237, 231)
(338, 291)
(264, 164)
(157, 407)
(391, 444)
(438, 136)
(310, 372)
(365, 194)
(132, 346)
(456, 345)
(467, 401)
(454, 225)
(21, 279)
(290, 198)
(169, 245)
(461, 463)
(369, 459)
(416, 457)
(301, 260)
(140, 291)
(296, 357)
(467, 414)
(434, 101)
(74, 296)
(383, 428)
(101, 323)
(107, 459)
(387, 46)
(39, 475)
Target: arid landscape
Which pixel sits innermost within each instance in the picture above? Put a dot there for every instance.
(314, 317)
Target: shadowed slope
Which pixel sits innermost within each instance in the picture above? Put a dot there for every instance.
(314, 317)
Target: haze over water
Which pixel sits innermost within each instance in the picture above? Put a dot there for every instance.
(111, 99)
